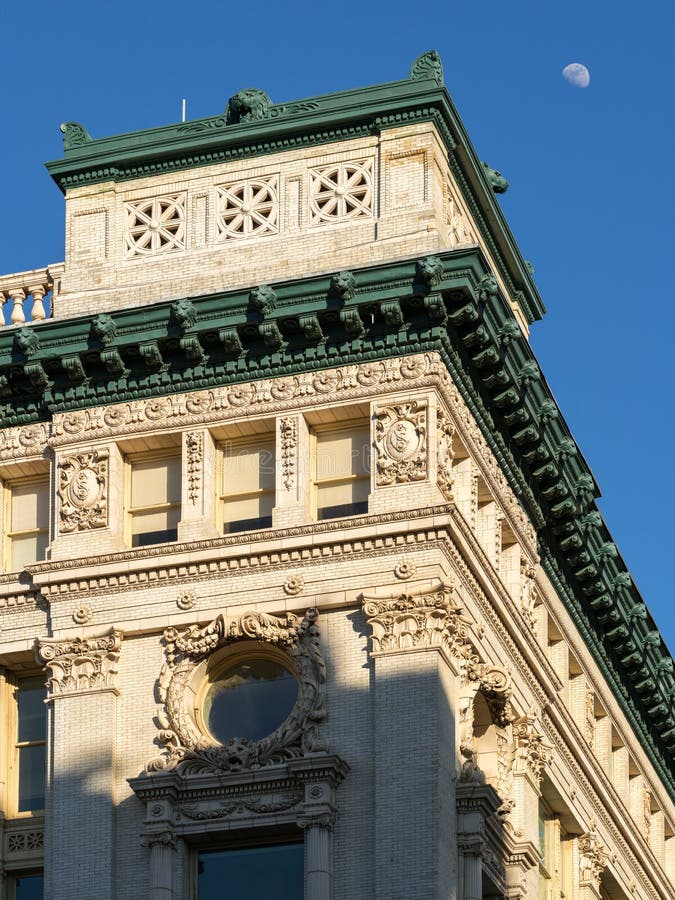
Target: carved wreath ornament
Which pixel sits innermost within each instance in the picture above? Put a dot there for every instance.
(83, 483)
(188, 653)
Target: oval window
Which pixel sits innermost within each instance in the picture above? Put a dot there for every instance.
(249, 699)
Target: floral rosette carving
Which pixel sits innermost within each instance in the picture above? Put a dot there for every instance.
(83, 491)
(187, 746)
(401, 442)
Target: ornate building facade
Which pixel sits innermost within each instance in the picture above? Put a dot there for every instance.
(300, 543)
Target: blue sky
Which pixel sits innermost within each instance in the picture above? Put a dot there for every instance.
(591, 182)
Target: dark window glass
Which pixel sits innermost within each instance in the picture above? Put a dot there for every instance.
(32, 713)
(32, 763)
(28, 887)
(30, 743)
(249, 700)
(344, 509)
(252, 873)
(247, 524)
(154, 537)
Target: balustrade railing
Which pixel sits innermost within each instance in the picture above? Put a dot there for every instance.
(29, 296)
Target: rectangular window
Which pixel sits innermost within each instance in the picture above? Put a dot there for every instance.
(342, 470)
(275, 870)
(31, 732)
(26, 887)
(27, 517)
(154, 499)
(247, 479)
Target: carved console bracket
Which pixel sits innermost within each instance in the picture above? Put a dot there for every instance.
(80, 665)
(530, 753)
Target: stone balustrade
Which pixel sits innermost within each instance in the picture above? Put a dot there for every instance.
(23, 295)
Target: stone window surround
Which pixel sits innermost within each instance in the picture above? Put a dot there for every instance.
(21, 849)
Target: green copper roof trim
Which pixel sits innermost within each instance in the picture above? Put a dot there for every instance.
(448, 302)
(316, 120)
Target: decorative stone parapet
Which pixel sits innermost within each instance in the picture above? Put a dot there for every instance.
(36, 284)
(80, 665)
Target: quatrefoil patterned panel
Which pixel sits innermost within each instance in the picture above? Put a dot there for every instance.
(248, 208)
(155, 225)
(341, 191)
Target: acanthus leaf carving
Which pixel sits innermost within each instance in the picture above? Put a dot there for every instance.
(424, 619)
(83, 491)
(593, 857)
(530, 753)
(80, 664)
(185, 743)
(401, 442)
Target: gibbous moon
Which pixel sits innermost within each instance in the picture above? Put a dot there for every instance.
(577, 75)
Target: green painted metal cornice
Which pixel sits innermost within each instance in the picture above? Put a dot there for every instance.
(265, 128)
(449, 303)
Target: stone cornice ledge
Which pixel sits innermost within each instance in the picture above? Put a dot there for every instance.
(214, 556)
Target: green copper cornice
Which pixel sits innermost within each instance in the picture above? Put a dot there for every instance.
(253, 126)
(450, 303)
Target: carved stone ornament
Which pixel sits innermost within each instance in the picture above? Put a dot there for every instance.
(294, 585)
(187, 746)
(83, 491)
(528, 591)
(405, 570)
(401, 442)
(76, 665)
(194, 442)
(530, 753)
(445, 431)
(423, 619)
(186, 600)
(288, 431)
(593, 858)
(494, 683)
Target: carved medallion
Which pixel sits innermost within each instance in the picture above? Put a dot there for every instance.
(83, 491)
(401, 441)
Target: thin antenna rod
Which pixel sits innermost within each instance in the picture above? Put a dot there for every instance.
(183, 119)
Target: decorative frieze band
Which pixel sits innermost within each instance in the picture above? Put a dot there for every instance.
(358, 381)
(79, 665)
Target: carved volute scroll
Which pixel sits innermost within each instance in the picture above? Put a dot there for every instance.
(83, 491)
(187, 654)
(78, 665)
(401, 442)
